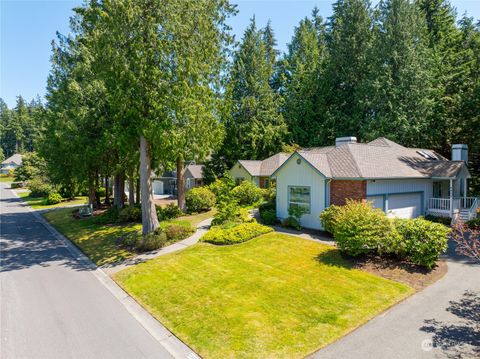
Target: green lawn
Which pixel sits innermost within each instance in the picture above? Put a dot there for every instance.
(6, 179)
(276, 296)
(37, 202)
(98, 242)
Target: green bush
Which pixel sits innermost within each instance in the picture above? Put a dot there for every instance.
(222, 188)
(329, 218)
(199, 199)
(228, 211)
(237, 234)
(360, 229)
(53, 198)
(14, 185)
(268, 216)
(170, 211)
(439, 219)
(424, 241)
(38, 188)
(269, 194)
(176, 232)
(247, 193)
(152, 241)
(130, 214)
(108, 217)
(292, 222)
(474, 223)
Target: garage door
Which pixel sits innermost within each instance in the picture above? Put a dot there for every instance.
(408, 205)
(157, 187)
(377, 201)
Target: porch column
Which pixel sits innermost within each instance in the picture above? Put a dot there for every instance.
(465, 192)
(451, 198)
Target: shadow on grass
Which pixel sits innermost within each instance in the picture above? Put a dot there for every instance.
(461, 337)
(333, 257)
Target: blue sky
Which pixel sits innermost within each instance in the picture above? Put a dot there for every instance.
(28, 27)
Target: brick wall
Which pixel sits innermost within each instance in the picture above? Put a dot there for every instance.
(341, 190)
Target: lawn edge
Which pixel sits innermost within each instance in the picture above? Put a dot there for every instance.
(176, 347)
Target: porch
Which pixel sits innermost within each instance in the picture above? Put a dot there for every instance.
(464, 208)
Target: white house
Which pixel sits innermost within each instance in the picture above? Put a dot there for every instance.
(258, 172)
(11, 163)
(404, 182)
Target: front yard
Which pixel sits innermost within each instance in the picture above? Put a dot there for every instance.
(99, 241)
(38, 202)
(274, 296)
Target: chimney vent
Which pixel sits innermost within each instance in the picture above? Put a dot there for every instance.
(460, 152)
(343, 140)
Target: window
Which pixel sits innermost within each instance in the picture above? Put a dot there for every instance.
(239, 180)
(299, 197)
(267, 183)
(437, 189)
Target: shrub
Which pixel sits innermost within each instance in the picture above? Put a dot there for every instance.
(292, 222)
(268, 216)
(474, 223)
(269, 194)
(107, 217)
(329, 218)
(14, 185)
(130, 214)
(53, 198)
(237, 234)
(247, 193)
(360, 229)
(424, 241)
(439, 219)
(169, 212)
(38, 188)
(199, 199)
(152, 241)
(222, 188)
(228, 211)
(176, 232)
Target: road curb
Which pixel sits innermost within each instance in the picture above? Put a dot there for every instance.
(167, 339)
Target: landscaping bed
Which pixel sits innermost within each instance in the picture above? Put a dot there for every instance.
(274, 296)
(39, 202)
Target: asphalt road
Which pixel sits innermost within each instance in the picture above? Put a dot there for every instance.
(52, 306)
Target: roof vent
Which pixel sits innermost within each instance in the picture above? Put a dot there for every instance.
(343, 140)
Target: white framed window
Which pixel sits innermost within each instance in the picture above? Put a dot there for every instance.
(299, 196)
(437, 189)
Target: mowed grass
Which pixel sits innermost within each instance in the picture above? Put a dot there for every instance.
(276, 296)
(38, 202)
(99, 242)
(6, 179)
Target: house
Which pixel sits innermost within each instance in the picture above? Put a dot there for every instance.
(11, 163)
(258, 172)
(403, 182)
(167, 183)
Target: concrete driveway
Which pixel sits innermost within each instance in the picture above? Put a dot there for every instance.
(442, 321)
(52, 306)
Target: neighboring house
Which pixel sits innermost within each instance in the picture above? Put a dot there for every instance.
(258, 172)
(167, 183)
(11, 163)
(404, 182)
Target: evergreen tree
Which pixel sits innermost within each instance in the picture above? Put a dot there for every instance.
(301, 72)
(255, 128)
(399, 86)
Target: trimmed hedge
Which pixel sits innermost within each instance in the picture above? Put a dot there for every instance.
(237, 234)
(424, 240)
(199, 199)
(177, 232)
(170, 211)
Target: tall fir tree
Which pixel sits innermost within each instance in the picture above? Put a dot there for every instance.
(255, 128)
(399, 86)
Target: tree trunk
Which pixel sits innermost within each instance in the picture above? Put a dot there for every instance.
(181, 183)
(97, 196)
(92, 196)
(137, 189)
(149, 213)
(131, 190)
(107, 191)
(119, 190)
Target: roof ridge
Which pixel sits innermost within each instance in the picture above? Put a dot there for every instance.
(354, 160)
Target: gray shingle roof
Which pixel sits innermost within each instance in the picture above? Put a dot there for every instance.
(195, 170)
(380, 158)
(16, 158)
(265, 167)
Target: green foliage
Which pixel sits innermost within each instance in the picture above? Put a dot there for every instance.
(175, 232)
(108, 217)
(199, 199)
(424, 241)
(296, 212)
(32, 167)
(130, 214)
(361, 229)
(329, 218)
(222, 187)
(16, 185)
(247, 193)
(268, 216)
(170, 211)
(151, 241)
(228, 211)
(292, 222)
(39, 188)
(439, 219)
(474, 223)
(53, 198)
(237, 234)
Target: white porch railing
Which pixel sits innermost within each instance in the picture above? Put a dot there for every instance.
(446, 207)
